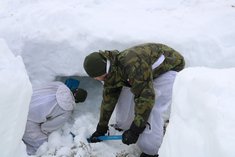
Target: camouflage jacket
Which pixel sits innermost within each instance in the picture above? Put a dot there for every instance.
(133, 68)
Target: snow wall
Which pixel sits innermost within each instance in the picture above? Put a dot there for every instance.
(54, 36)
(202, 114)
(15, 95)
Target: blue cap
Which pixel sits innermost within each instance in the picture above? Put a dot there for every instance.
(72, 84)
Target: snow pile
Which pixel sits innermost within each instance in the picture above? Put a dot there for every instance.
(202, 114)
(15, 95)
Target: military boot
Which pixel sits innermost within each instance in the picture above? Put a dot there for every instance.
(146, 155)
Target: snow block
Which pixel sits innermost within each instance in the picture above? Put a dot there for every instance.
(15, 95)
(202, 114)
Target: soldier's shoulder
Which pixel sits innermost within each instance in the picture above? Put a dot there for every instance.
(145, 44)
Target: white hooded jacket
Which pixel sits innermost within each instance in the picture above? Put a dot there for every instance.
(50, 107)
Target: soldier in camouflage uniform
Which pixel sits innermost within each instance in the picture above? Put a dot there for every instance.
(137, 68)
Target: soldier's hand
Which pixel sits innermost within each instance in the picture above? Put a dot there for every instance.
(94, 137)
(128, 137)
(131, 135)
(100, 131)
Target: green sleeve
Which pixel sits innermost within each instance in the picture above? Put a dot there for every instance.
(110, 98)
(144, 95)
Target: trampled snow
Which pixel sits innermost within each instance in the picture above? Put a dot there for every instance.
(53, 37)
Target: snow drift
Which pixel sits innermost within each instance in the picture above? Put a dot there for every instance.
(202, 114)
(15, 95)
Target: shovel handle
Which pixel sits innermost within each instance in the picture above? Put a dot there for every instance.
(111, 137)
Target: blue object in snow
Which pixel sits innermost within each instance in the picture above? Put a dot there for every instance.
(103, 138)
(111, 137)
(72, 84)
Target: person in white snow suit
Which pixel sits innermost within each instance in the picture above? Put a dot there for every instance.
(138, 83)
(50, 108)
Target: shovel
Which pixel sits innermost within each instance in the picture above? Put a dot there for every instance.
(104, 138)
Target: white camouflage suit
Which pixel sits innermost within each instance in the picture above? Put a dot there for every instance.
(50, 107)
(150, 140)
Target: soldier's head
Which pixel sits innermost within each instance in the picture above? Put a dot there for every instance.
(79, 95)
(95, 66)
